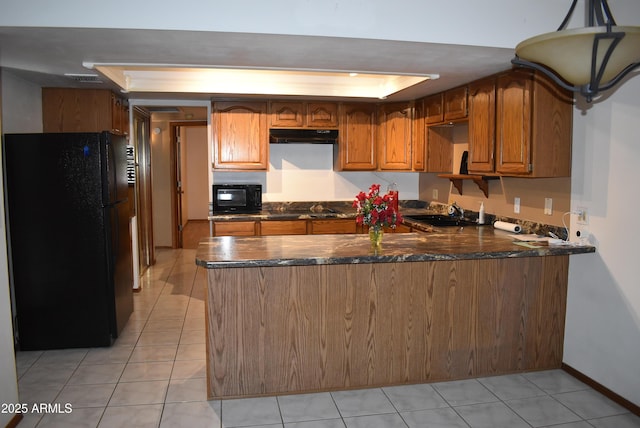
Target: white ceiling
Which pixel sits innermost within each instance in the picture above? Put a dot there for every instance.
(460, 40)
(44, 55)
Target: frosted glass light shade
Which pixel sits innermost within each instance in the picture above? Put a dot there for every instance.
(569, 52)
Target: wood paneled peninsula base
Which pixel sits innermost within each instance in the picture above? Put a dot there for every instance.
(289, 314)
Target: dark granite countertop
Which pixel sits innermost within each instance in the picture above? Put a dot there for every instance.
(345, 210)
(447, 243)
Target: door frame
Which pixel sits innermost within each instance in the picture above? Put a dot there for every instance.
(141, 139)
(176, 234)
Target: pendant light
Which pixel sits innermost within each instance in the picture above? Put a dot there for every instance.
(586, 60)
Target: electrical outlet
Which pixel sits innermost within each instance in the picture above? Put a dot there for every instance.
(582, 216)
(434, 194)
(516, 205)
(548, 206)
(580, 235)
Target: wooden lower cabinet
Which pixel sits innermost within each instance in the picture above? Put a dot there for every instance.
(294, 227)
(322, 227)
(290, 329)
(234, 228)
(283, 227)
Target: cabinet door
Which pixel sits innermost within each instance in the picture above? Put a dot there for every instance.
(433, 109)
(513, 125)
(76, 110)
(286, 114)
(283, 227)
(394, 131)
(551, 128)
(482, 111)
(419, 138)
(333, 226)
(234, 228)
(439, 149)
(455, 103)
(240, 136)
(119, 116)
(356, 148)
(322, 115)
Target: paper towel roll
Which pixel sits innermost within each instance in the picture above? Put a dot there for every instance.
(509, 227)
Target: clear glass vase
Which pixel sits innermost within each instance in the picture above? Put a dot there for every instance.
(375, 236)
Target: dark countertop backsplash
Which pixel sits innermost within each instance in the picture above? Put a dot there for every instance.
(407, 207)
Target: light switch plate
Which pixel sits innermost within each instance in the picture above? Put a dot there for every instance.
(548, 206)
(516, 205)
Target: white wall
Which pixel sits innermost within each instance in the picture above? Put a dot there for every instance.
(194, 138)
(304, 172)
(161, 186)
(19, 111)
(22, 105)
(602, 337)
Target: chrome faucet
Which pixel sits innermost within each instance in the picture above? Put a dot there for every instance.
(456, 211)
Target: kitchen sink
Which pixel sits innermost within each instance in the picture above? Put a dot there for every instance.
(441, 220)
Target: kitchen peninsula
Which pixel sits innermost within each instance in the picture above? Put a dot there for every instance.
(287, 314)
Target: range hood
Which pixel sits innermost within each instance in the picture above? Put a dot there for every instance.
(314, 136)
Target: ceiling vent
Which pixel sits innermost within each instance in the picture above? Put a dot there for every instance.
(163, 109)
(84, 78)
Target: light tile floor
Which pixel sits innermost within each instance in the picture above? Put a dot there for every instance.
(154, 376)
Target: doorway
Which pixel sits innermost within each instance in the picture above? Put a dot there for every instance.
(190, 203)
(163, 175)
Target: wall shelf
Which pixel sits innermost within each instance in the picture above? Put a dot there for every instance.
(482, 181)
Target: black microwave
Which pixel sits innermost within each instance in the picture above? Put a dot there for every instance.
(237, 198)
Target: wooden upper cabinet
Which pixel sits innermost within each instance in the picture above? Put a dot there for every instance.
(240, 136)
(83, 110)
(395, 123)
(418, 143)
(533, 126)
(292, 114)
(446, 106)
(286, 114)
(322, 115)
(434, 109)
(357, 144)
(439, 149)
(455, 103)
(482, 125)
(119, 115)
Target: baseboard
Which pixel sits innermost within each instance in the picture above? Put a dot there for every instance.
(15, 420)
(632, 407)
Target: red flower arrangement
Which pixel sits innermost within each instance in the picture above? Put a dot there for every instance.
(374, 210)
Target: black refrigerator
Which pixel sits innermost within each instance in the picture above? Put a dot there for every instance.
(69, 245)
